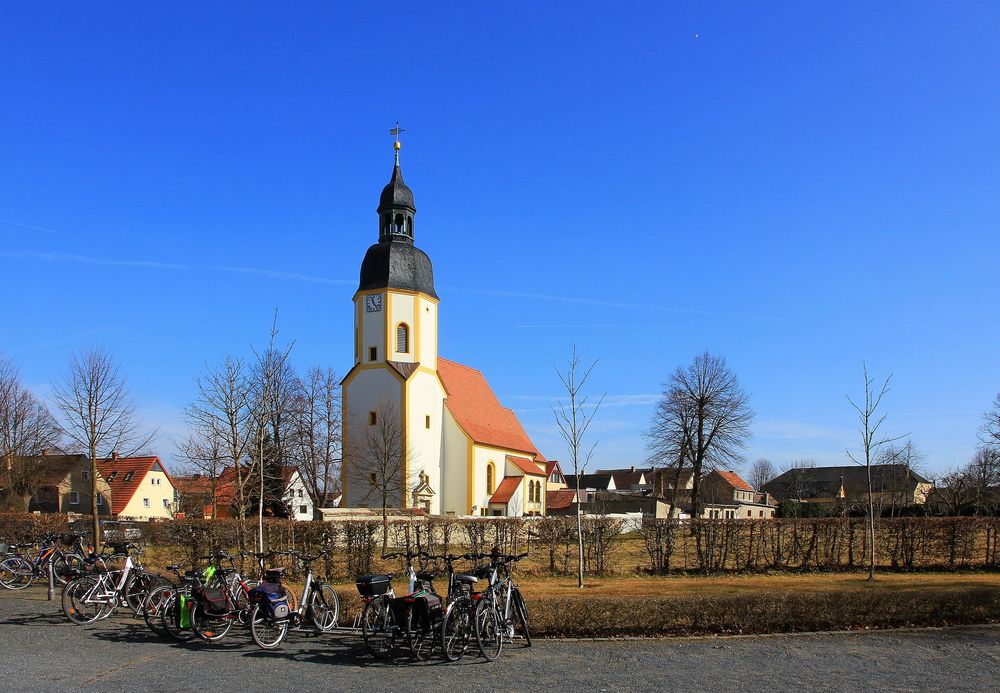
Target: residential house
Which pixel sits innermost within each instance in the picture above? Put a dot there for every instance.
(286, 495)
(894, 485)
(630, 478)
(140, 487)
(555, 479)
(62, 484)
(727, 495)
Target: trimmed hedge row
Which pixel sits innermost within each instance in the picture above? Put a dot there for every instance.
(660, 546)
(593, 615)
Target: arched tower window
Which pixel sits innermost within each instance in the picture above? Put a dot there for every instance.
(490, 478)
(403, 338)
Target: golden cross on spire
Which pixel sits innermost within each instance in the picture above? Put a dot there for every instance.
(395, 132)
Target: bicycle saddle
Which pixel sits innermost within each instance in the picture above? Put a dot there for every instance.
(429, 577)
(466, 578)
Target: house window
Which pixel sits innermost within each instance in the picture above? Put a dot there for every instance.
(749, 513)
(100, 500)
(403, 338)
(372, 479)
(128, 477)
(145, 502)
(427, 421)
(166, 503)
(372, 353)
(372, 418)
(111, 477)
(490, 478)
(303, 510)
(300, 493)
(74, 498)
(85, 475)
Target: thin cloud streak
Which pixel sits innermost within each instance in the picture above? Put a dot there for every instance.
(152, 264)
(8, 222)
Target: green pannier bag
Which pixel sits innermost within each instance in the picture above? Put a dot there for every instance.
(183, 612)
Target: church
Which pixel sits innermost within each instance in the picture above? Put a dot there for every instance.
(421, 431)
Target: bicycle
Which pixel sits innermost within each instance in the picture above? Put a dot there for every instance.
(18, 572)
(500, 609)
(97, 595)
(458, 620)
(386, 617)
(215, 607)
(271, 617)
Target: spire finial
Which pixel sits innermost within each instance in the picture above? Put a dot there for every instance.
(396, 145)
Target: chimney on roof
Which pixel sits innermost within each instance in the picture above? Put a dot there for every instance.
(632, 469)
(45, 452)
(115, 456)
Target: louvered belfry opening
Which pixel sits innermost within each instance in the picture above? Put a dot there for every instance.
(403, 338)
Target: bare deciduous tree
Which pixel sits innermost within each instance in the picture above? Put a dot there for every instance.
(26, 429)
(704, 416)
(990, 432)
(573, 415)
(317, 416)
(379, 462)
(870, 420)
(223, 409)
(203, 452)
(761, 471)
(273, 380)
(899, 463)
(98, 415)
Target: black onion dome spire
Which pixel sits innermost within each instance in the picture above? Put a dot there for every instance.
(395, 262)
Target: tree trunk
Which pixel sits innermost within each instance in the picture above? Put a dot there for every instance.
(579, 535)
(385, 526)
(871, 527)
(94, 509)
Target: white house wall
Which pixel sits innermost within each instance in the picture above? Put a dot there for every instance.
(156, 493)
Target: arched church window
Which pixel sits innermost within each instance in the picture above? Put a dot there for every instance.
(490, 478)
(403, 338)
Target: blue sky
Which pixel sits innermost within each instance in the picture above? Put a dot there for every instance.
(797, 187)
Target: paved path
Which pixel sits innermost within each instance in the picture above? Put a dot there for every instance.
(40, 650)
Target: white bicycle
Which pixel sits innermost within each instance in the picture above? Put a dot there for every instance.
(98, 594)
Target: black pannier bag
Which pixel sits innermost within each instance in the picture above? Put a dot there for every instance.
(213, 600)
(429, 609)
(372, 585)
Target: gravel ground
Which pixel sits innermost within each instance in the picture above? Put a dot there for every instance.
(40, 650)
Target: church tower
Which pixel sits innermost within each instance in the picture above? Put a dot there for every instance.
(395, 367)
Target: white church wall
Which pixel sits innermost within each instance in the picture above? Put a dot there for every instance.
(427, 348)
(372, 331)
(425, 399)
(401, 310)
(366, 390)
(454, 487)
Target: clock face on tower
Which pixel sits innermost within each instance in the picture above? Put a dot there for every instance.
(373, 303)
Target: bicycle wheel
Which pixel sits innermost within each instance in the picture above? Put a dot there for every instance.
(520, 615)
(78, 603)
(265, 631)
(170, 617)
(489, 629)
(153, 605)
(378, 626)
(65, 565)
(324, 608)
(209, 628)
(419, 636)
(138, 587)
(16, 573)
(456, 629)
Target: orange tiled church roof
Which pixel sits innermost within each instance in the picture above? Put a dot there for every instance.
(479, 412)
